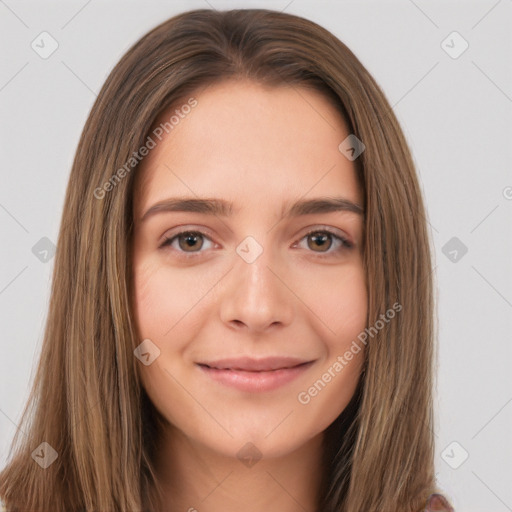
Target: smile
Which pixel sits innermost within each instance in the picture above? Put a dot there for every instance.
(255, 375)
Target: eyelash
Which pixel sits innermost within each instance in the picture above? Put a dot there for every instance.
(345, 244)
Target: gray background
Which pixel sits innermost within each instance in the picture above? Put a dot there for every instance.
(456, 115)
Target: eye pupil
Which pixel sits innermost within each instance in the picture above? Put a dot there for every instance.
(320, 239)
(189, 240)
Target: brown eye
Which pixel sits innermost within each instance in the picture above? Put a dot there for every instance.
(190, 241)
(187, 242)
(319, 239)
(324, 243)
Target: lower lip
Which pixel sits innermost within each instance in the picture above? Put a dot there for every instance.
(256, 381)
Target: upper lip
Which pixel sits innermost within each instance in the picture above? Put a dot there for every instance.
(255, 365)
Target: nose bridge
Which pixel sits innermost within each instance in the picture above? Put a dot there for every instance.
(254, 294)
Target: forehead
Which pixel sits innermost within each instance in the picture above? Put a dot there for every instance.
(250, 144)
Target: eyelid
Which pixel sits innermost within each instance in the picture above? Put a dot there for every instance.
(336, 233)
(185, 228)
(169, 238)
(344, 241)
(330, 229)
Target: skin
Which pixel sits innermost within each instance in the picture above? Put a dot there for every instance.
(262, 149)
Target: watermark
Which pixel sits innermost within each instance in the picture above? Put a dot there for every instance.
(351, 147)
(249, 455)
(249, 249)
(304, 397)
(45, 455)
(158, 133)
(44, 249)
(454, 249)
(507, 193)
(455, 455)
(454, 45)
(44, 45)
(147, 352)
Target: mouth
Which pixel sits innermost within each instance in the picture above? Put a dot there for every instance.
(255, 375)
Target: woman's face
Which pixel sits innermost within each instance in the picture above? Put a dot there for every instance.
(249, 310)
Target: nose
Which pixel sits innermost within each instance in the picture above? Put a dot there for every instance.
(256, 296)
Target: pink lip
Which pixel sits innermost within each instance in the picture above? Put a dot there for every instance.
(253, 375)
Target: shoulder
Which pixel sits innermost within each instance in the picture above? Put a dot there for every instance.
(438, 503)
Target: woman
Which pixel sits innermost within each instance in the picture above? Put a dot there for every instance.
(241, 314)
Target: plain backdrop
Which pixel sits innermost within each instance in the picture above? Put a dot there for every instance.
(455, 107)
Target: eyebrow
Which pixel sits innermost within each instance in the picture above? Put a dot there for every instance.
(225, 208)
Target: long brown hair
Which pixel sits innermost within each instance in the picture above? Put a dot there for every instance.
(87, 402)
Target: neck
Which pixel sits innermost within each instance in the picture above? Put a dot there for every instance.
(196, 478)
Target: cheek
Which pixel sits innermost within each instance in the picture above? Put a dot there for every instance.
(340, 301)
(152, 305)
(169, 310)
(164, 300)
